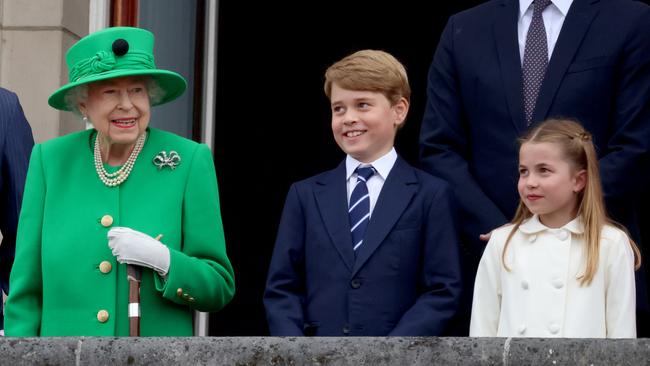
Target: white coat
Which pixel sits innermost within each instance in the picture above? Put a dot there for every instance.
(541, 296)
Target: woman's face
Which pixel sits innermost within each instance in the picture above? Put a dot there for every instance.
(119, 108)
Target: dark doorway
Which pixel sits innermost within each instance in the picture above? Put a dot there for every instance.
(273, 121)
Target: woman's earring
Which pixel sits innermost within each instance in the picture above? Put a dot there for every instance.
(85, 119)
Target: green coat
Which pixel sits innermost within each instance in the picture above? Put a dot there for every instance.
(56, 285)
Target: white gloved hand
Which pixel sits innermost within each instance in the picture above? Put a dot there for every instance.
(133, 247)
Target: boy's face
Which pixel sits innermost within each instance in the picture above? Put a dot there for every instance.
(364, 123)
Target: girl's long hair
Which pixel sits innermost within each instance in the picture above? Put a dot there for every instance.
(578, 150)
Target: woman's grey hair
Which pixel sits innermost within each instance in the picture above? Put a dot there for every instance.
(79, 94)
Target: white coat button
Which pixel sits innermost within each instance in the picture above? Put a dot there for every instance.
(532, 238)
(522, 329)
(553, 328)
(558, 283)
(562, 235)
(524, 284)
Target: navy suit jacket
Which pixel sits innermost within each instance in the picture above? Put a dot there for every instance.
(404, 279)
(16, 144)
(599, 74)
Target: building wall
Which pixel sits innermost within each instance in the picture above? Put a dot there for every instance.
(34, 36)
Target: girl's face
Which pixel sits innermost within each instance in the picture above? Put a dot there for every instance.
(548, 183)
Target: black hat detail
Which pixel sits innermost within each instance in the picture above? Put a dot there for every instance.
(120, 47)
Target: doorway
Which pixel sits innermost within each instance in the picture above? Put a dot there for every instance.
(273, 121)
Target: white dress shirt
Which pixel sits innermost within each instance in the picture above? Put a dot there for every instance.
(382, 167)
(541, 295)
(553, 16)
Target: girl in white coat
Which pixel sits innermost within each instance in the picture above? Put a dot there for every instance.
(561, 268)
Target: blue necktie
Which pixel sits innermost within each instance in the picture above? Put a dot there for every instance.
(535, 58)
(360, 206)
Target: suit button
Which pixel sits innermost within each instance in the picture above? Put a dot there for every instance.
(346, 329)
(558, 283)
(107, 220)
(355, 283)
(179, 292)
(524, 284)
(553, 328)
(562, 235)
(102, 316)
(105, 267)
(522, 329)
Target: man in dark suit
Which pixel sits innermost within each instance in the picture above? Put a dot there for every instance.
(370, 247)
(595, 67)
(16, 144)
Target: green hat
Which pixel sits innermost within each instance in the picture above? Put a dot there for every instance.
(113, 53)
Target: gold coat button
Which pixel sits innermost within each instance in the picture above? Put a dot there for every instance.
(179, 292)
(186, 296)
(191, 299)
(102, 316)
(105, 267)
(107, 220)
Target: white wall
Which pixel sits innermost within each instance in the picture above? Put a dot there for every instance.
(35, 34)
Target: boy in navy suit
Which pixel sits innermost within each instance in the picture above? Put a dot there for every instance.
(370, 247)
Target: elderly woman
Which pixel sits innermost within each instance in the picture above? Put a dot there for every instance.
(121, 193)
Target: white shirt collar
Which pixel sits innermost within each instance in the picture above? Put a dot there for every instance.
(562, 5)
(382, 166)
(523, 6)
(533, 225)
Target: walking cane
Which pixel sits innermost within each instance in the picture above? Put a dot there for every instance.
(134, 275)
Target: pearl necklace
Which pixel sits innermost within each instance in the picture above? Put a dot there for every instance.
(117, 178)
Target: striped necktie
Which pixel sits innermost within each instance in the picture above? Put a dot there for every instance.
(359, 211)
(535, 58)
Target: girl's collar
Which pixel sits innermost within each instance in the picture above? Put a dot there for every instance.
(533, 225)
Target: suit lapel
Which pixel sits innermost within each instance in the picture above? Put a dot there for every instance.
(331, 198)
(505, 34)
(395, 196)
(575, 26)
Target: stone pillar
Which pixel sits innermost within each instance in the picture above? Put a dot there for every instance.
(35, 36)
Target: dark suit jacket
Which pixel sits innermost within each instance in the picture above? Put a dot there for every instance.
(16, 143)
(599, 73)
(405, 279)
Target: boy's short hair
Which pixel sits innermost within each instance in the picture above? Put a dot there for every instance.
(370, 70)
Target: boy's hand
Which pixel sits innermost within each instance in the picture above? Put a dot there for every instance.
(486, 236)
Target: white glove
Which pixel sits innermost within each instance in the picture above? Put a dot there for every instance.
(133, 247)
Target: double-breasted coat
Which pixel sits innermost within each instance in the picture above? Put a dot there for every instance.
(541, 295)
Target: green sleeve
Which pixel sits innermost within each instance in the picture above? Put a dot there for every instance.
(25, 301)
(201, 269)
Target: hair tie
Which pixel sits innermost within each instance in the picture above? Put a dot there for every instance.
(583, 136)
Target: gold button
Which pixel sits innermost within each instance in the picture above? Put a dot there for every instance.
(186, 296)
(191, 299)
(107, 220)
(179, 292)
(102, 316)
(105, 267)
